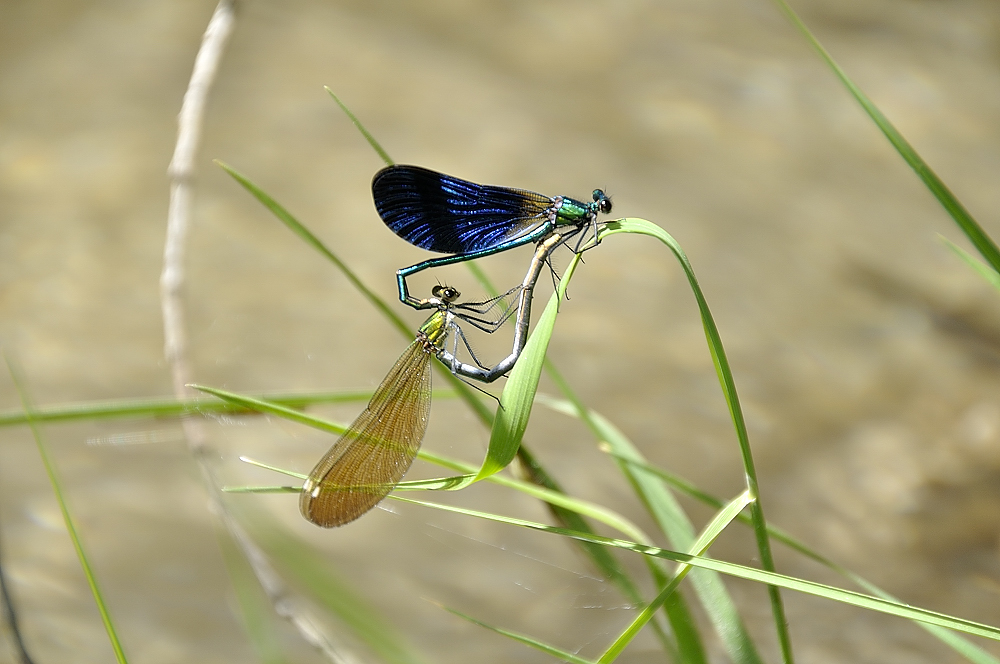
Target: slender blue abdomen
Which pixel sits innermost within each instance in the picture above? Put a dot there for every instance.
(449, 215)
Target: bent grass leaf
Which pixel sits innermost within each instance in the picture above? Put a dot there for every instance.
(748, 573)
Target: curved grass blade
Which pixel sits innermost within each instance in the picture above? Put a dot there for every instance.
(519, 393)
(674, 523)
(518, 397)
(360, 127)
(81, 555)
(728, 384)
(749, 573)
(689, 647)
(987, 248)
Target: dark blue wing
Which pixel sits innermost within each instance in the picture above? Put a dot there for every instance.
(441, 213)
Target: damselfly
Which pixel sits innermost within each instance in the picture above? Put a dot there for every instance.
(449, 215)
(377, 449)
(372, 456)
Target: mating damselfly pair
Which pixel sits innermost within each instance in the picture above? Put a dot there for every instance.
(466, 220)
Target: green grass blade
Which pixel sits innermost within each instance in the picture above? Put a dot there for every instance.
(517, 400)
(526, 640)
(987, 248)
(728, 384)
(364, 132)
(518, 395)
(664, 508)
(272, 408)
(50, 470)
(749, 573)
(701, 545)
(971, 652)
(296, 227)
(983, 270)
(584, 507)
(167, 407)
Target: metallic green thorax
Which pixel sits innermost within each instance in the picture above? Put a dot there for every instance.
(434, 329)
(572, 211)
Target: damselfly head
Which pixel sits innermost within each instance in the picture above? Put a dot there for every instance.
(447, 294)
(603, 202)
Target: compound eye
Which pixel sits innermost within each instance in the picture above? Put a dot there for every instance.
(449, 294)
(603, 202)
(438, 290)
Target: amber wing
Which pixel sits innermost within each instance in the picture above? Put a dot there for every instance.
(377, 449)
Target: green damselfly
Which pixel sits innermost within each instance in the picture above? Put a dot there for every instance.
(377, 449)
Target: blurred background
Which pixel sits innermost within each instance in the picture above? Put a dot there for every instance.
(867, 356)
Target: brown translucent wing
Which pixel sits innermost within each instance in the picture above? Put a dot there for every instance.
(376, 450)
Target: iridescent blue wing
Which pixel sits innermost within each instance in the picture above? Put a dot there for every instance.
(449, 215)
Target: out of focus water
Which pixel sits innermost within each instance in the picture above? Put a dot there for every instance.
(865, 353)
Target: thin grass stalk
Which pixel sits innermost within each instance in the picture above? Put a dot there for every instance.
(81, 555)
(983, 243)
(180, 407)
